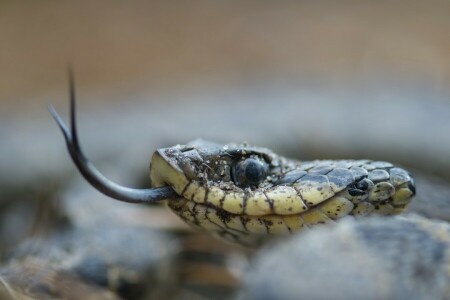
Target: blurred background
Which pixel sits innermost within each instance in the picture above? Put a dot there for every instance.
(308, 79)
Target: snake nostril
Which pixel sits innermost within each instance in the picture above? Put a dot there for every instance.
(364, 184)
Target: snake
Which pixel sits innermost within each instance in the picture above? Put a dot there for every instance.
(248, 194)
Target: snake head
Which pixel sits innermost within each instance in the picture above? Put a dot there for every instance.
(240, 172)
(242, 193)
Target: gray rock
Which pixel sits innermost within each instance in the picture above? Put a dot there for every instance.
(376, 258)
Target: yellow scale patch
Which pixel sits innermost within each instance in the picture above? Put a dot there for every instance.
(200, 214)
(191, 190)
(336, 207)
(275, 225)
(363, 209)
(315, 216)
(381, 191)
(256, 225)
(199, 195)
(212, 215)
(286, 201)
(402, 196)
(162, 173)
(314, 193)
(235, 222)
(215, 195)
(384, 209)
(257, 205)
(294, 223)
(234, 202)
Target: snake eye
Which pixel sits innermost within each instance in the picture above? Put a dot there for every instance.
(249, 171)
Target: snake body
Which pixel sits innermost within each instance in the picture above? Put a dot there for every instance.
(247, 194)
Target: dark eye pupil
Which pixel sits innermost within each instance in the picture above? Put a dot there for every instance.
(254, 171)
(250, 171)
